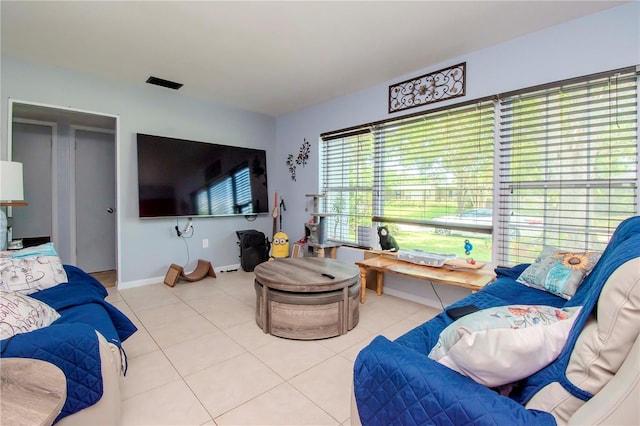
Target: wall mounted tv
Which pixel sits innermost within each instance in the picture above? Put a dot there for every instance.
(182, 178)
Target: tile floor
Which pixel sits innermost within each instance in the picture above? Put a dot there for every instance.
(199, 358)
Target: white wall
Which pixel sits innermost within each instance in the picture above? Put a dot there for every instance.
(148, 247)
(599, 42)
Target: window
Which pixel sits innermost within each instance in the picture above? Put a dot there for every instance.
(347, 170)
(561, 169)
(440, 164)
(568, 165)
(416, 173)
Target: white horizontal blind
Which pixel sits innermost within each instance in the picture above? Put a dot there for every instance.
(436, 165)
(221, 197)
(568, 166)
(242, 191)
(202, 198)
(347, 181)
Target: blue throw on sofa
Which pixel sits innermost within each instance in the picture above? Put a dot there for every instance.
(71, 342)
(395, 383)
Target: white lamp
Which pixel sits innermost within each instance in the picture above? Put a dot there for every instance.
(11, 194)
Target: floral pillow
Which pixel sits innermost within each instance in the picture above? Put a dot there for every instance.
(502, 345)
(21, 314)
(559, 272)
(30, 274)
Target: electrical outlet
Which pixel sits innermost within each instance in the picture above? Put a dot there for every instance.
(205, 243)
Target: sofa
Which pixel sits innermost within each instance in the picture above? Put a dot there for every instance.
(462, 371)
(58, 313)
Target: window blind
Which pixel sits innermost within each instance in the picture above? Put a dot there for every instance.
(436, 166)
(568, 166)
(221, 197)
(347, 171)
(242, 191)
(202, 199)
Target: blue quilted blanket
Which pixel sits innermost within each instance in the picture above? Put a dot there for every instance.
(71, 342)
(396, 383)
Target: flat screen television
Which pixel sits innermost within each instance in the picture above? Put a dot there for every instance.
(183, 178)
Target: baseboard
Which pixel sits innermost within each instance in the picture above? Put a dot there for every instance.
(228, 268)
(412, 297)
(139, 283)
(158, 280)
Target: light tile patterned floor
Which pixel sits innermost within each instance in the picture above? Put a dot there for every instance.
(199, 358)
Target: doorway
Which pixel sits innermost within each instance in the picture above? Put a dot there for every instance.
(95, 199)
(82, 172)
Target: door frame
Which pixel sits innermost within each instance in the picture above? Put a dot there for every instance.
(72, 186)
(117, 148)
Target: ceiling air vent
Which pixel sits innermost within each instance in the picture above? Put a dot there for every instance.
(164, 83)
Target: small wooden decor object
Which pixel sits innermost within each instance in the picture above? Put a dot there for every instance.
(175, 272)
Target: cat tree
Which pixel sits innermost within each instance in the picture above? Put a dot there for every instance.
(316, 230)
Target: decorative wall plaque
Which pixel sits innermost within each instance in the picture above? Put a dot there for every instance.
(426, 89)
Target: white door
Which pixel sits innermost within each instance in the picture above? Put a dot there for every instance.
(95, 199)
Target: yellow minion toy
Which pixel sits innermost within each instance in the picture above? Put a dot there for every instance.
(280, 246)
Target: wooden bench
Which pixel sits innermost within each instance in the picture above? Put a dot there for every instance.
(455, 272)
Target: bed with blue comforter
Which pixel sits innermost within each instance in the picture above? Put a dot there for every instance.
(71, 342)
(396, 383)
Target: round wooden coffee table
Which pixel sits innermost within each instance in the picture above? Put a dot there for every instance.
(307, 298)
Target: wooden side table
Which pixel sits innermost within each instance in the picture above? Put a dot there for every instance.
(472, 279)
(33, 391)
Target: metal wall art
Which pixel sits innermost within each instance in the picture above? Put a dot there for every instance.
(426, 89)
(291, 162)
(301, 159)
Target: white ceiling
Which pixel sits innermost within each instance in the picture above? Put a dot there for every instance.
(268, 56)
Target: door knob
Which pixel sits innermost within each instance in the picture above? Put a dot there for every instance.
(109, 210)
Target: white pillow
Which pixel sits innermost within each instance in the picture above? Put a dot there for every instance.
(21, 314)
(31, 274)
(502, 345)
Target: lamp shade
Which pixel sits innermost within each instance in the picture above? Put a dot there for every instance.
(11, 186)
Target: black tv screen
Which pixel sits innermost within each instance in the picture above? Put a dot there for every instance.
(178, 177)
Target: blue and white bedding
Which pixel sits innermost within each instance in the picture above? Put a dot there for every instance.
(71, 342)
(396, 383)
